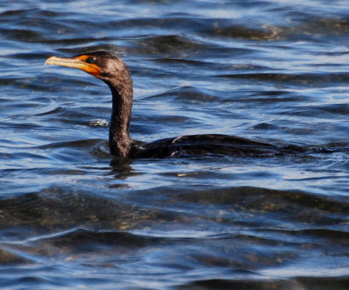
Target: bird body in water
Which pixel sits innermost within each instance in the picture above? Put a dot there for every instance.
(113, 71)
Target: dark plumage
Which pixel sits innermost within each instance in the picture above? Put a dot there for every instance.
(114, 72)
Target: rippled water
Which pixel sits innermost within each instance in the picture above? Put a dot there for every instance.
(274, 71)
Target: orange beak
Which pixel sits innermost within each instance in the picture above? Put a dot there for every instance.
(78, 62)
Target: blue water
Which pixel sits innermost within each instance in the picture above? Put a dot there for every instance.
(271, 71)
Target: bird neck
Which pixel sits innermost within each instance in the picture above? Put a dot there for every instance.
(120, 141)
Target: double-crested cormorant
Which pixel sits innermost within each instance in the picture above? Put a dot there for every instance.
(113, 71)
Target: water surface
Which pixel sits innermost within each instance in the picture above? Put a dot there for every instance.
(272, 71)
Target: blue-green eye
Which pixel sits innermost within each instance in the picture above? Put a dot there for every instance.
(91, 59)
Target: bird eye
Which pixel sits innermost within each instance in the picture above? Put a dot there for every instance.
(91, 59)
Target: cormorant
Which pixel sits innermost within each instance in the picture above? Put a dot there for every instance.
(113, 71)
